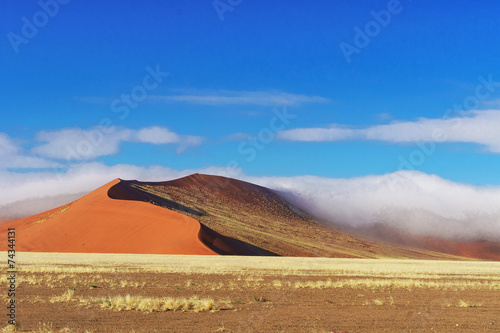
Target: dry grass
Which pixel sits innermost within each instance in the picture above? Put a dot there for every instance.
(146, 304)
(66, 297)
(395, 283)
(9, 328)
(463, 304)
(64, 279)
(42, 328)
(84, 271)
(48, 328)
(468, 304)
(380, 302)
(150, 304)
(285, 266)
(222, 329)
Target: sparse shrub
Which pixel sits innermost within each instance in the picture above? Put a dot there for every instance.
(259, 299)
(190, 283)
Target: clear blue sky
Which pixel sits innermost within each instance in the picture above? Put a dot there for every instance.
(227, 76)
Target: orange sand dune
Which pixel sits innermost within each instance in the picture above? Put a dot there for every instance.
(484, 250)
(98, 224)
(474, 249)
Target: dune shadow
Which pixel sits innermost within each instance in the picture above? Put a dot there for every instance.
(230, 246)
(123, 191)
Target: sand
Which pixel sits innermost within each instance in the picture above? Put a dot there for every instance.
(98, 224)
(5, 221)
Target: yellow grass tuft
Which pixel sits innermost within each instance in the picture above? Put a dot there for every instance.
(468, 304)
(380, 302)
(277, 284)
(150, 304)
(190, 283)
(9, 328)
(222, 329)
(66, 297)
(42, 328)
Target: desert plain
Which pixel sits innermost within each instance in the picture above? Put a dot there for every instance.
(65, 292)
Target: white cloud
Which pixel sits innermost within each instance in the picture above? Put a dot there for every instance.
(226, 97)
(78, 144)
(479, 127)
(157, 136)
(12, 155)
(27, 162)
(411, 201)
(7, 145)
(332, 133)
(189, 141)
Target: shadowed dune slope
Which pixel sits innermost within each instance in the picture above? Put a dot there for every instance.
(96, 223)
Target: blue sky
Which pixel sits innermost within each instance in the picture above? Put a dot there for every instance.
(228, 78)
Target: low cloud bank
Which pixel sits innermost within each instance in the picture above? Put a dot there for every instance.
(410, 201)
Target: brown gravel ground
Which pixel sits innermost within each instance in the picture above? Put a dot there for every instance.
(254, 303)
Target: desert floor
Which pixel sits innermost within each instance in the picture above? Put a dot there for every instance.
(162, 293)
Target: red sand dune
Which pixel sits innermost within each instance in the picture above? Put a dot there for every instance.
(96, 223)
(474, 249)
(484, 250)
